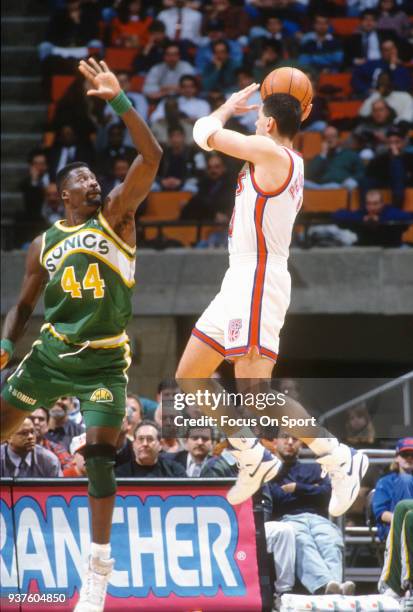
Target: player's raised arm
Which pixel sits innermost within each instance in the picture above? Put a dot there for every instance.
(18, 316)
(126, 197)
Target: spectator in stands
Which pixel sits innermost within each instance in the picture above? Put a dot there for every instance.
(138, 100)
(222, 464)
(165, 414)
(365, 76)
(21, 457)
(268, 60)
(319, 49)
(67, 149)
(218, 238)
(133, 416)
(180, 164)
(360, 431)
(397, 576)
(335, 167)
(368, 222)
(115, 149)
(33, 185)
(400, 101)
(364, 45)
(394, 487)
(300, 498)
(371, 133)
(163, 79)
(182, 23)
(392, 18)
(198, 447)
(61, 428)
(248, 120)
(393, 168)
(318, 119)
(215, 193)
(173, 117)
(85, 114)
(205, 51)
(120, 167)
(52, 207)
(40, 420)
(148, 462)
(130, 26)
(273, 28)
(232, 19)
(72, 29)
(189, 103)
(77, 468)
(152, 53)
(220, 72)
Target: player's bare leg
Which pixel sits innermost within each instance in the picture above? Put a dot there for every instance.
(10, 419)
(100, 452)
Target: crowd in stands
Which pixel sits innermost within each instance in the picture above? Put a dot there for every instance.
(306, 546)
(178, 60)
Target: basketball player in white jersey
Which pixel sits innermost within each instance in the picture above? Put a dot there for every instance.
(244, 320)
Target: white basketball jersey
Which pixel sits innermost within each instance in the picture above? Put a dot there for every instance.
(263, 222)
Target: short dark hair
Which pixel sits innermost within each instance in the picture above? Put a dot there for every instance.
(222, 41)
(190, 429)
(188, 77)
(62, 175)
(172, 44)
(176, 128)
(147, 422)
(366, 12)
(286, 110)
(35, 153)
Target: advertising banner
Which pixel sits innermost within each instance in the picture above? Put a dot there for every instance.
(178, 548)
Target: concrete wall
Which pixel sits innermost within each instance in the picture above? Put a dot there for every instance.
(334, 281)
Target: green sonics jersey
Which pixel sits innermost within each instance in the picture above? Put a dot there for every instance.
(91, 278)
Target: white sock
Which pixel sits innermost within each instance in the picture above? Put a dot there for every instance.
(100, 551)
(323, 446)
(245, 439)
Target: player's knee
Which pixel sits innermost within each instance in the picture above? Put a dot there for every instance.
(100, 462)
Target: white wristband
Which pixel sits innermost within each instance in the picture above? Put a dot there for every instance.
(204, 128)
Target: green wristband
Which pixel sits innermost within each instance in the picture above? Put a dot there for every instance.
(121, 103)
(8, 346)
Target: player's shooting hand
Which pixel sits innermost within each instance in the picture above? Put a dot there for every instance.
(104, 83)
(237, 102)
(4, 358)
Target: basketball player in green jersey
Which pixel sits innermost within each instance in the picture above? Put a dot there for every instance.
(86, 264)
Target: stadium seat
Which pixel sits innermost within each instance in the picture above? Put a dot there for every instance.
(51, 109)
(136, 82)
(355, 198)
(48, 139)
(408, 199)
(119, 58)
(60, 84)
(345, 26)
(341, 80)
(324, 200)
(347, 109)
(186, 234)
(166, 205)
(408, 235)
(308, 143)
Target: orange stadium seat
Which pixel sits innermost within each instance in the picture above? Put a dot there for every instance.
(166, 205)
(120, 59)
(344, 110)
(48, 139)
(355, 198)
(408, 200)
(185, 234)
(308, 143)
(51, 109)
(324, 200)
(342, 80)
(136, 82)
(345, 26)
(407, 236)
(60, 84)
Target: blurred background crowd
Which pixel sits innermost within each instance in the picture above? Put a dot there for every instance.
(178, 60)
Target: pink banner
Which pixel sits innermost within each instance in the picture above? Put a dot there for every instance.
(176, 548)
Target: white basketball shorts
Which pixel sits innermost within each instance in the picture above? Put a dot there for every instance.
(250, 308)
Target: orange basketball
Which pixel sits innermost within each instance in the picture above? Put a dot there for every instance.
(290, 81)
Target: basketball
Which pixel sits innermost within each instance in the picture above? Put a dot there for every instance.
(290, 81)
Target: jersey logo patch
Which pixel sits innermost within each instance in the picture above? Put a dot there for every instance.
(101, 395)
(234, 328)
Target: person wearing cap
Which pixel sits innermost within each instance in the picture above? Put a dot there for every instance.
(77, 467)
(394, 487)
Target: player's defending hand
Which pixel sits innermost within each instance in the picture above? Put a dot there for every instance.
(4, 358)
(237, 102)
(104, 83)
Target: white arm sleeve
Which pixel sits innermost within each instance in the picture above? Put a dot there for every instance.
(204, 128)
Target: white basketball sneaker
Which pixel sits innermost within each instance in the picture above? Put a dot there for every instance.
(95, 583)
(256, 466)
(346, 468)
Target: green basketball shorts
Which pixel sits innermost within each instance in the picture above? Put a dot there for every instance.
(97, 377)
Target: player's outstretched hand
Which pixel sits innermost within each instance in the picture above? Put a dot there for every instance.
(4, 358)
(237, 102)
(104, 83)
